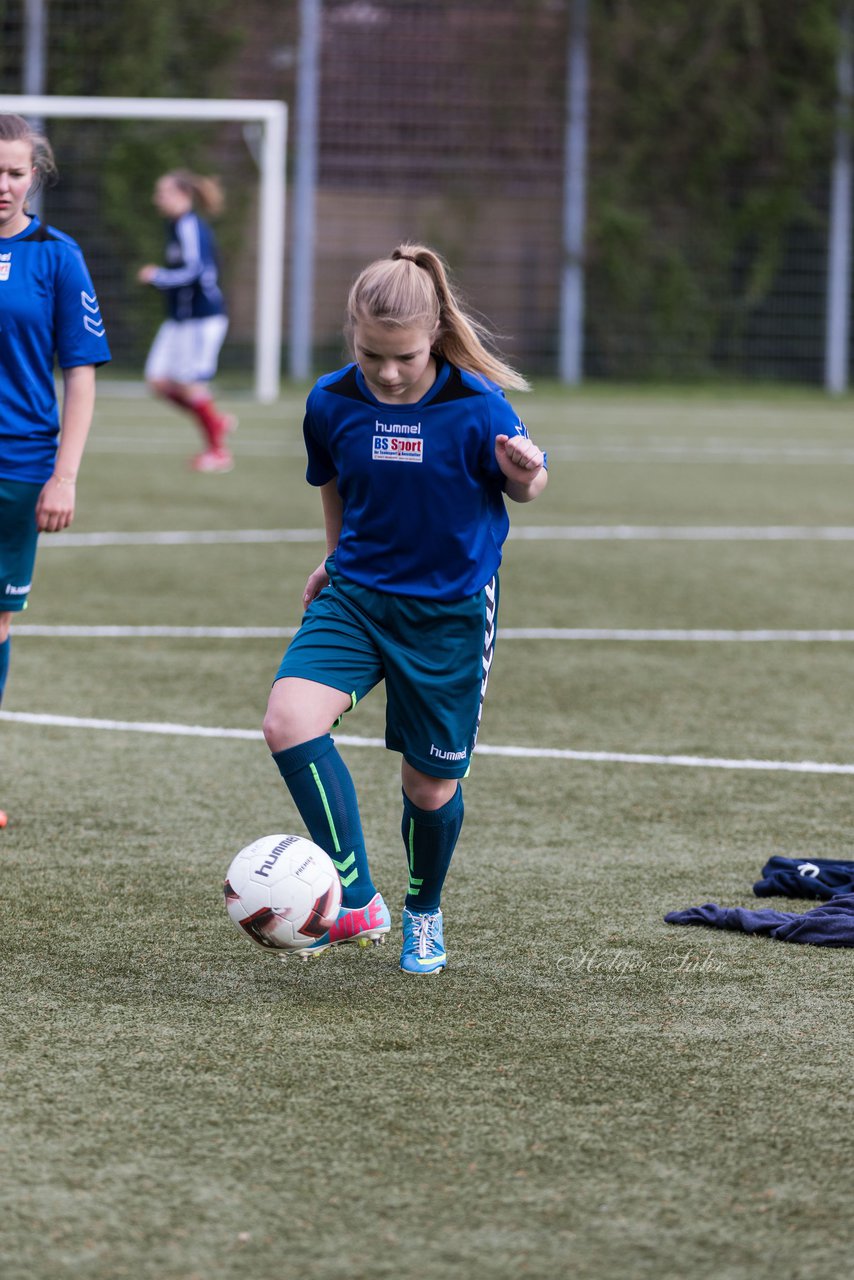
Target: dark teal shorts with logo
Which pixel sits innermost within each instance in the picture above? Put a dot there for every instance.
(18, 538)
(434, 656)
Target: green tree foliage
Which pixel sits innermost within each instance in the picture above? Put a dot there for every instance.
(711, 132)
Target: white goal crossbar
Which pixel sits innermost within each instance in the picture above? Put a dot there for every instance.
(272, 117)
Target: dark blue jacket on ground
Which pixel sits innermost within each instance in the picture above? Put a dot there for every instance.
(830, 925)
(805, 878)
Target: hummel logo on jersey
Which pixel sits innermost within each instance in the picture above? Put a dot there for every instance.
(398, 428)
(5, 265)
(392, 442)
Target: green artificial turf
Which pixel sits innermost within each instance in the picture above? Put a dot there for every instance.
(587, 1092)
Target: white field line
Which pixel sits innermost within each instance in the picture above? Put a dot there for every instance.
(181, 444)
(523, 533)
(629, 635)
(180, 537)
(483, 749)
(63, 632)
(784, 454)
(683, 533)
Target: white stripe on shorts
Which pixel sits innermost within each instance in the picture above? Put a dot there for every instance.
(489, 592)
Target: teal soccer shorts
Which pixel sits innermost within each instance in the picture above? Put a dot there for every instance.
(18, 538)
(434, 656)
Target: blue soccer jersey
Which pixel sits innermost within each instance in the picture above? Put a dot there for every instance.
(48, 312)
(190, 279)
(423, 495)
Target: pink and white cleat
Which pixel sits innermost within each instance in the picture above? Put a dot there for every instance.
(366, 926)
(213, 460)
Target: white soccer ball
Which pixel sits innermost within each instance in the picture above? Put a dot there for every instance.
(282, 892)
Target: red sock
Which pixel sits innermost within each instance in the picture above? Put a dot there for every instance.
(210, 420)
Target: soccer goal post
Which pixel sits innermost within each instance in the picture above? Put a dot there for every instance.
(271, 117)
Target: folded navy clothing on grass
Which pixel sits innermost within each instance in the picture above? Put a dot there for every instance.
(805, 878)
(830, 925)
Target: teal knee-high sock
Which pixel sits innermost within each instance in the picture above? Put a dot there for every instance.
(323, 792)
(430, 837)
(5, 653)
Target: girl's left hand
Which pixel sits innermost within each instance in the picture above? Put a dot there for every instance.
(518, 457)
(55, 506)
(316, 583)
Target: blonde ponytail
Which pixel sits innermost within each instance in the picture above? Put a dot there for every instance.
(202, 190)
(411, 289)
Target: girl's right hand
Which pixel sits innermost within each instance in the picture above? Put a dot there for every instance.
(316, 582)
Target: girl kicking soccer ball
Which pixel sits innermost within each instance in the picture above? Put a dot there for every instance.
(414, 448)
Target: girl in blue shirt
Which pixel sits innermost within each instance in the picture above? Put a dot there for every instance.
(414, 448)
(48, 313)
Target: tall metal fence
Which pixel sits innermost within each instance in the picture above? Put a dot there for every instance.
(444, 123)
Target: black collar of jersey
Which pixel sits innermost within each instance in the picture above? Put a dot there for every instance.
(452, 387)
(36, 231)
(39, 233)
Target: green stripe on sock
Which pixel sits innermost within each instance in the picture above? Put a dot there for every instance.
(414, 883)
(348, 861)
(326, 808)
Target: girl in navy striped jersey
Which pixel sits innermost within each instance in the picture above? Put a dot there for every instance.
(185, 353)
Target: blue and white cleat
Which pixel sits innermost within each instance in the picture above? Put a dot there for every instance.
(366, 926)
(423, 943)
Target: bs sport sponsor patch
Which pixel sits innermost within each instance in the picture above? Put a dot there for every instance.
(397, 442)
(5, 265)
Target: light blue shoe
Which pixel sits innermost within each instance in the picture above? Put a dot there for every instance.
(365, 926)
(423, 942)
